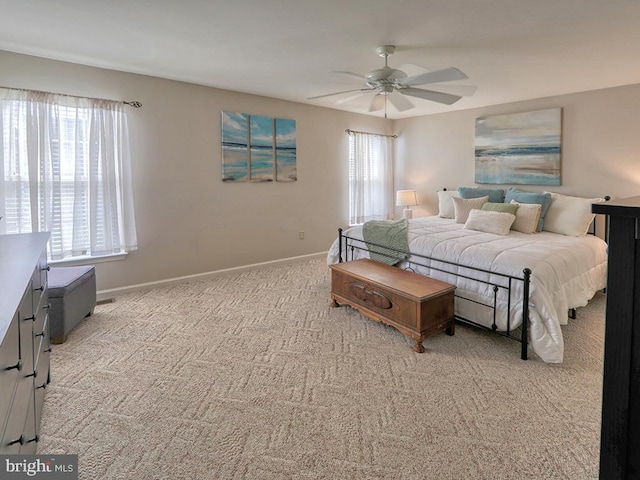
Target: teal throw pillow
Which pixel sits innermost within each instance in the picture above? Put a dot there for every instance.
(543, 199)
(496, 195)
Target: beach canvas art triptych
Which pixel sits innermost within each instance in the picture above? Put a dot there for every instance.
(258, 148)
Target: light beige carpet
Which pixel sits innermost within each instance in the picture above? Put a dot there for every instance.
(252, 375)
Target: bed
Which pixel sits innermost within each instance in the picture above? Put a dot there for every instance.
(493, 272)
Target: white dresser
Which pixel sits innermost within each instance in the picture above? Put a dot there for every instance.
(24, 340)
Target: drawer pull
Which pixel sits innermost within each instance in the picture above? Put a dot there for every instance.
(34, 374)
(41, 288)
(19, 440)
(34, 439)
(17, 366)
(376, 298)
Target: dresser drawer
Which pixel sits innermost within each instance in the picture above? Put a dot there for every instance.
(39, 403)
(26, 319)
(39, 277)
(41, 313)
(42, 353)
(9, 357)
(43, 362)
(16, 422)
(39, 297)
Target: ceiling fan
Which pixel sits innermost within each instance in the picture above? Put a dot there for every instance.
(387, 82)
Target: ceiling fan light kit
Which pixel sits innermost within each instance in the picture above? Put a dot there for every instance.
(387, 81)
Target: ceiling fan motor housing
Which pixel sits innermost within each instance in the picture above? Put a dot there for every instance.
(383, 79)
(386, 50)
(385, 75)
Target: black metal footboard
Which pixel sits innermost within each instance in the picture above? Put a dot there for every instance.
(502, 285)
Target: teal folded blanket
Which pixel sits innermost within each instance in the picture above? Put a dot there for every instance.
(387, 240)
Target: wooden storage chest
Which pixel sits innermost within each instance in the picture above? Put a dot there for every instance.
(416, 305)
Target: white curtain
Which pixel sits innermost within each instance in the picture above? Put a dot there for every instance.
(370, 177)
(65, 168)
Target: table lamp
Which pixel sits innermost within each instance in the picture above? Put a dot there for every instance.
(406, 198)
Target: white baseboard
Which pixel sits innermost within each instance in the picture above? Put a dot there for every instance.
(108, 294)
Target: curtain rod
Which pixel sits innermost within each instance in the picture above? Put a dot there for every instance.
(349, 131)
(133, 103)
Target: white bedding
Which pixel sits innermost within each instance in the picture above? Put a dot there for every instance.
(566, 273)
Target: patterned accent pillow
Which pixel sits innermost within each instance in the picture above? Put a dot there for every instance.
(490, 222)
(445, 204)
(519, 196)
(527, 217)
(463, 206)
(500, 207)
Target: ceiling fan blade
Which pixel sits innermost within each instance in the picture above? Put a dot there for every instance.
(351, 74)
(337, 93)
(411, 69)
(400, 102)
(377, 103)
(361, 101)
(350, 98)
(446, 75)
(460, 90)
(439, 97)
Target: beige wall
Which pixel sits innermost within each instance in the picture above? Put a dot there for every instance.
(188, 220)
(600, 146)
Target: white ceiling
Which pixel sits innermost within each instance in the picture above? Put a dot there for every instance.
(291, 49)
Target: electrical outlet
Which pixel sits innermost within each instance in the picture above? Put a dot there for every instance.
(301, 234)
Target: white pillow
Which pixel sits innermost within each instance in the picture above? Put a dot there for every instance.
(527, 217)
(490, 221)
(569, 215)
(445, 203)
(463, 206)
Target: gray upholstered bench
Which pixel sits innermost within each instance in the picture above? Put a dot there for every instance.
(72, 295)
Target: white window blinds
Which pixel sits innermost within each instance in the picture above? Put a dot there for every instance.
(65, 169)
(370, 177)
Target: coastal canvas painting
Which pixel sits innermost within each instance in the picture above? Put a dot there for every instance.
(262, 166)
(286, 164)
(519, 148)
(235, 155)
(258, 148)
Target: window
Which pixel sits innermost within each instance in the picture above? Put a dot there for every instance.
(370, 177)
(64, 169)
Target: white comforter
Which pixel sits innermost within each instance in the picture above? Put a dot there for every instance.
(565, 273)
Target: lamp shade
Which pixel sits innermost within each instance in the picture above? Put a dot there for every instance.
(405, 198)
